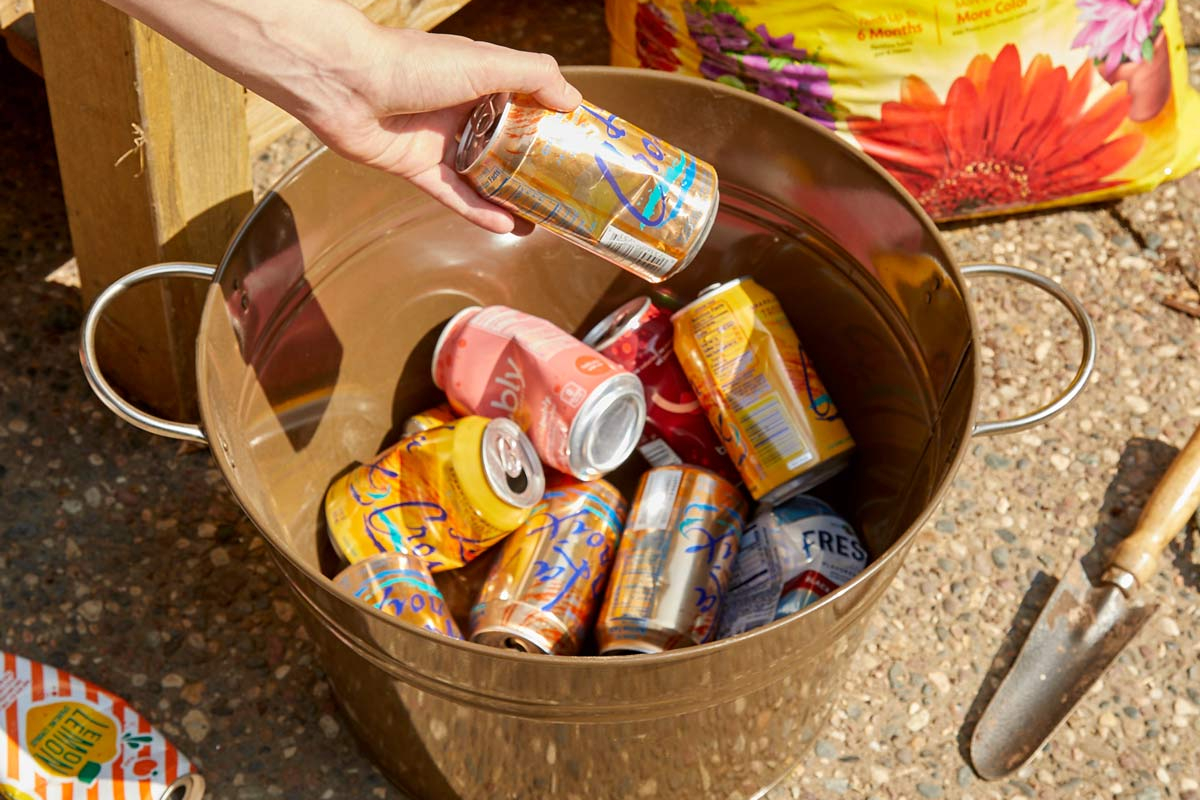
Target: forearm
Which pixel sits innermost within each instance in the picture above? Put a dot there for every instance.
(304, 55)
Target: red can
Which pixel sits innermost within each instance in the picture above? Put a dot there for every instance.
(583, 413)
(639, 337)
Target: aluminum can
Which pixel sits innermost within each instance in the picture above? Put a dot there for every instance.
(583, 413)
(639, 337)
(760, 390)
(444, 495)
(435, 417)
(791, 556)
(593, 179)
(548, 581)
(400, 584)
(63, 738)
(674, 562)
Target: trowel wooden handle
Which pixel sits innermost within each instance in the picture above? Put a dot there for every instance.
(1168, 510)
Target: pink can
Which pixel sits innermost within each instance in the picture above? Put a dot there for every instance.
(583, 412)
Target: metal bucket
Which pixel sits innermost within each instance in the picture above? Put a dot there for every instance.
(315, 343)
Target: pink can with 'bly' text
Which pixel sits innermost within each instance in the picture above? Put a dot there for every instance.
(583, 412)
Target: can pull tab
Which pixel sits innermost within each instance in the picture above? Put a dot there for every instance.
(512, 466)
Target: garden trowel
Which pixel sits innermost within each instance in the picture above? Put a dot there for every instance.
(1081, 629)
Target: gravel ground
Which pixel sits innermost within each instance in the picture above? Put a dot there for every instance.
(124, 558)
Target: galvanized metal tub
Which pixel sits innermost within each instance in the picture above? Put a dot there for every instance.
(315, 344)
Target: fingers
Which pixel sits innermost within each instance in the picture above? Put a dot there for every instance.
(534, 74)
(444, 185)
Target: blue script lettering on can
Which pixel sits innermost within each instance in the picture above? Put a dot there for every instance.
(654, 213)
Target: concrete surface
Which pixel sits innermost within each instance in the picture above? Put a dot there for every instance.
(124, 559)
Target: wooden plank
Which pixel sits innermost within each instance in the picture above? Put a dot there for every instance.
(13, 10)
(21, 38)
(152, 147)
(266, 122)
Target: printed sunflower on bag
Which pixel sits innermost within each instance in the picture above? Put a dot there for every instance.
(974, 106)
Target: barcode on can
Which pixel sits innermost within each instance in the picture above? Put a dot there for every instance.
(622, 244)
(659, 453)
(772, 436)
(657, 500)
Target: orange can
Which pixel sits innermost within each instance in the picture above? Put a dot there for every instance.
(444, 495)
(548, 581)
(760, 391)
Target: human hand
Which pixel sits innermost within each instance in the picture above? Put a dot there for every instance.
(409, 103)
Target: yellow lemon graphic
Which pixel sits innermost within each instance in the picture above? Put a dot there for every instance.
(10, 792)
(70, 739)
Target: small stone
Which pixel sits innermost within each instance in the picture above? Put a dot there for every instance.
(1060, 462)
(172, 681)
(945, 525)
(826, 749)
(1139, 404)
(1000, 557)
(1087, 231)
(929, 790)
(897, 676)
(648, 788)
(92, 497)
(71, 548)
(1185, 709)
(997, 461)
(18, 425)
(965, 776)
(96, 460)
(837, 785)
(283, 610)
(219, 557)
(72, 506)
(918, 720)
(91, 610)
(1168, 626)
(193, 693)
(879, 775)
(1149, 793)
(940, 680)
(1008, 536)
(329, 726)
(196, 724)
(138, 679)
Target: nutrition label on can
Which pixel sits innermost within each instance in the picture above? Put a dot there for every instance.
(657, 500)
(755, 586)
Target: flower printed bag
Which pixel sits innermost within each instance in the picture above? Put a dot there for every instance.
(974, 106)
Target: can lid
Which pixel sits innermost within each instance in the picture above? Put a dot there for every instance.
(617, 324)
(450, 325)
(709, 291)
(189, 787)
(480, 129)
(607, 427)
(511, 464)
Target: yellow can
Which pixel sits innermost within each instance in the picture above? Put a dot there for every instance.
(444, 495)
(435, 417)
(760, 391)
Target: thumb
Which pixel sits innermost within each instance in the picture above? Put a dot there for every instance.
(535, 74)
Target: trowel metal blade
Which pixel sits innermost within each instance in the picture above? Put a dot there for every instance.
(1080, 631)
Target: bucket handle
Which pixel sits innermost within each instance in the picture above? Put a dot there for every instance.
(87, 351)
(1087, 361)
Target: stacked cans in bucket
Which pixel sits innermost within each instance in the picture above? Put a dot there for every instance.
(723, 408)
(717, 396)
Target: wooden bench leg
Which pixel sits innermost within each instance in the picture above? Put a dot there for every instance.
(155, 164)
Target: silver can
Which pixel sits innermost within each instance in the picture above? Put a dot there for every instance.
(791, 556)
(673, 566)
